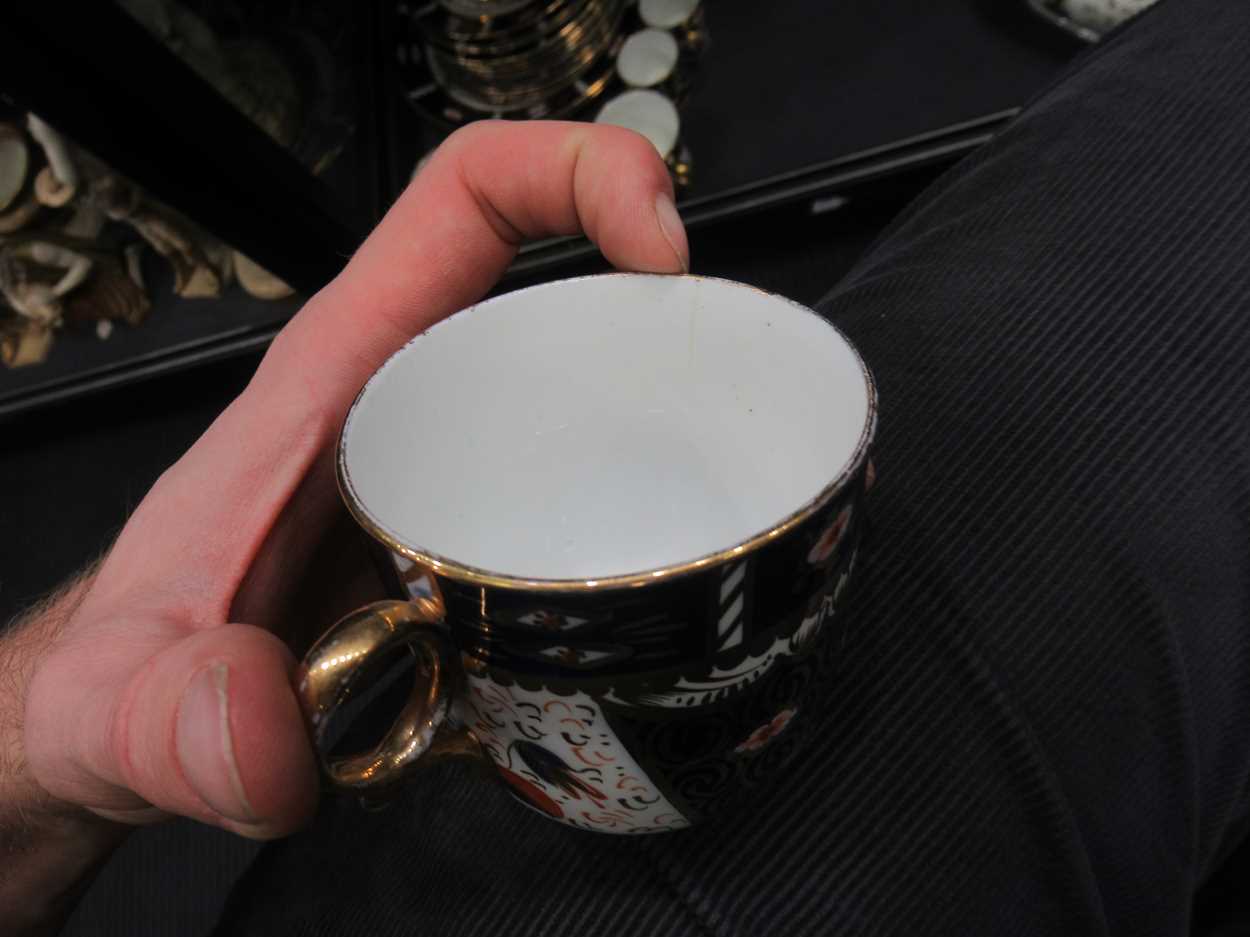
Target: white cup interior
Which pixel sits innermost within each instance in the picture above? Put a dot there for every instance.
(605, 426)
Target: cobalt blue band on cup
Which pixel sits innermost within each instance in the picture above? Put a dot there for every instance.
(623, 511)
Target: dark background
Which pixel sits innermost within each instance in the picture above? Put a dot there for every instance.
(791, 102)
(71, 472)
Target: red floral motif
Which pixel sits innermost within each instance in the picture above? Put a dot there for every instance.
(531, 793)
(767, 732)
(828, 542)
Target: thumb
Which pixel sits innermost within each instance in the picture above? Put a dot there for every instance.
(208, 727)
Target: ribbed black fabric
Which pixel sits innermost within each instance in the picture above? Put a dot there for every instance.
(1042, 724)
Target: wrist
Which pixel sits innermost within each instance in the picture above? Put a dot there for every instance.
(22, 644)
(48, 848)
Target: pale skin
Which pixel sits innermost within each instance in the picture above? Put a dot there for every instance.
(156, 683)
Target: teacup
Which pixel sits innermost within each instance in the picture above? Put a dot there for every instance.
(620, 512)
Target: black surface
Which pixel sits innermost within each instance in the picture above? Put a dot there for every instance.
(787, 87)
(893, 167)
(796, 101)
(796, 83)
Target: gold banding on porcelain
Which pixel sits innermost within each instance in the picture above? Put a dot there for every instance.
(325, 682)
(442, 566)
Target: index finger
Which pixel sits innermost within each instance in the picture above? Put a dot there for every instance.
(456, 228)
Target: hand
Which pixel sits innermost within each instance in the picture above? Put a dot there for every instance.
(167, 690)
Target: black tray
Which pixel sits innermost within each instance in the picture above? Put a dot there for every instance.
(806, 102)
(795, 89)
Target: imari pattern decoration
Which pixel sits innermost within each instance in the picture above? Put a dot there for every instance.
(640, 710)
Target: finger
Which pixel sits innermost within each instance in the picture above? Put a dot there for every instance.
(208, 728)
(451, 235)
(441, 246)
